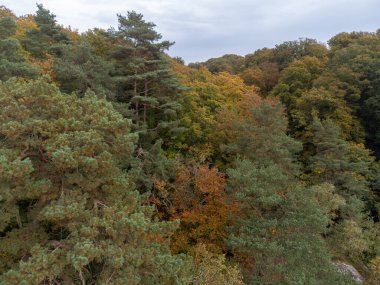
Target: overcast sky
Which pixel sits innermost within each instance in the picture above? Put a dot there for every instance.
(210, 28)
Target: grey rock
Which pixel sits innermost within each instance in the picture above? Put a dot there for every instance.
(349, 270)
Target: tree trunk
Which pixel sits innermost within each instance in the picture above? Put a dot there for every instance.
(136, 103)
(146, 95)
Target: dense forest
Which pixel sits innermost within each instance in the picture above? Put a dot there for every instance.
(122, 165)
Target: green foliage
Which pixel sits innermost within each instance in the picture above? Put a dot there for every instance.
(144, 79)
(290, 51)
(231, 63)
(256, 130)
(77, 69)
(342, 165)
(7, 27)
(295, 88)
(11, 61)
(277, 235)
(60, 180)
(354, 63)
(72, 166)
(39, 41)
(335, 163)
(100, 40)
(266, 233)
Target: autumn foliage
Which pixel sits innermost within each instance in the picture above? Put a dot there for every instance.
(122, 165)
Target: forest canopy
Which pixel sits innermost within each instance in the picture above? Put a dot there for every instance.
(122, 165)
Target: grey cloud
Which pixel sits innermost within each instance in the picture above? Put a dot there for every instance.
(210, 28)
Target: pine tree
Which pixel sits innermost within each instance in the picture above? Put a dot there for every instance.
(276, 234)
(77, 68)
(144, 78)
(11, 61)
(147, 89)
(342, 165)
(256, 130)
(253, 235)
(40, 40)
(69, 214)
(268, 233)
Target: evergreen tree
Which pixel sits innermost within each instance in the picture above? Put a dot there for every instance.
(268, 233)
(11, 61)
(40, 40)
(338, 163)
(69, 214)
(144, 78)
(147, 89)
(256, 130)
(332, 162)
(277, 234)
(77, 68)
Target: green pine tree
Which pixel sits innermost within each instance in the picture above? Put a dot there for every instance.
(277, 233)
(144, 78)
(39, 41)
(77, 68)
(279, 223)
(342, 165)
(11, 61)
(69, 214)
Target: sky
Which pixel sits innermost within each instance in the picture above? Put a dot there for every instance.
(204, 29)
